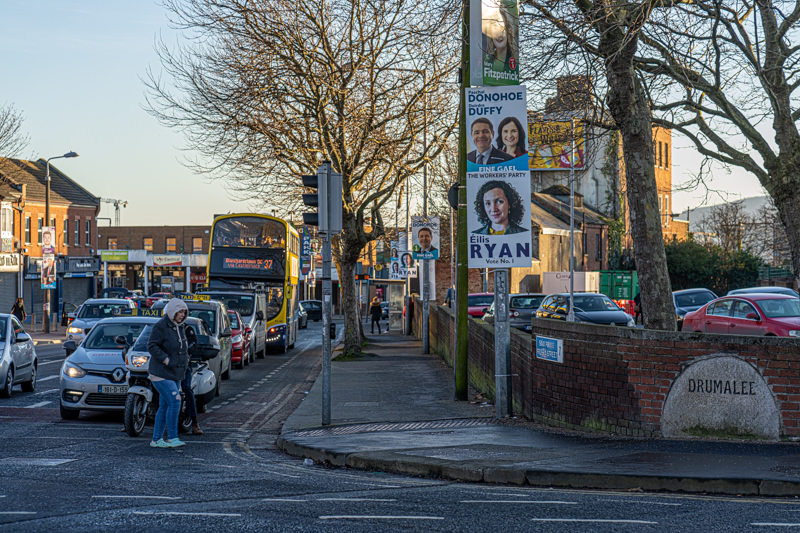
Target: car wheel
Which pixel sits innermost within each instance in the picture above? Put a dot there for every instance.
(69, 414)
(6, 391)
(30, 386)
(227, 373)
(135, 414)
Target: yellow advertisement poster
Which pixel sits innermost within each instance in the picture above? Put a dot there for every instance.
(550, 145)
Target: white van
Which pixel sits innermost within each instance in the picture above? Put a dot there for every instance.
(252, 306)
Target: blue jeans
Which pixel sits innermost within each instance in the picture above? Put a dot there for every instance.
(169, 406)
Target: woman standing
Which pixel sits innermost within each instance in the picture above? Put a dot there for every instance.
(375, 313)
(169, 357)
(18, 310)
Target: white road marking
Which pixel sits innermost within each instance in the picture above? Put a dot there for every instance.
(282, 500)
(16, 512)
(171, 513)
(40, 404)
(773, 524)
(593, 521)
(46, 392)
(521, 501)
(379, 517)
(354, 500)
(48, 378)
(140, 497)
(644, 502)
(51, 362)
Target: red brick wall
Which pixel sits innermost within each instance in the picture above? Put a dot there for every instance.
(614, 379)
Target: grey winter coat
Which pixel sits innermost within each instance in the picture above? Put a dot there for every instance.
(169, 344)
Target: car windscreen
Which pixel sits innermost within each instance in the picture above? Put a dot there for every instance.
(526, 302)
(594, 303)
(777, 308)
(479, 300)
(312, 305)
(234, 321)
(103, 336)
(244, 303)
(3, 327)
(208, 316)
(97, 311)
(693, 299)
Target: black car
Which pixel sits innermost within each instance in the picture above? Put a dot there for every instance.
(313, 308)
(302, 317)
(520, 310)
(590, 307)
(688, 300)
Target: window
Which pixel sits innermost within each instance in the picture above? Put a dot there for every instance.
(598, 251)
(41, 225)
(66, 231)
(666, 211)
(660, 155)
(197, 245)
(27, 230)
(53, 222)
(666, 155)
(147, 244)
(170, 244)
(7, 218)
(112, 243)
(77, 232)
(88, 233)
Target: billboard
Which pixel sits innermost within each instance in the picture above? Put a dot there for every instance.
(425, 237)
(48, 274)
(550, 144)
(494, 51)
(498, 180)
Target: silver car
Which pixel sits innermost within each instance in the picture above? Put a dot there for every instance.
(93, 376)
(18, 361)
(92, 311)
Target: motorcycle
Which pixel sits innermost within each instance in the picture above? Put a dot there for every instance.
(142, 401)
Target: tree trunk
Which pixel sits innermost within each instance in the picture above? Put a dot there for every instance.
(352, 330)
(628, 107)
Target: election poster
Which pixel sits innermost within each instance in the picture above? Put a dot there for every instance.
(550, 144)
(48, 274)
(498, 179)
(403, 266)
(48, 240)
(494, 51)
(425, 237)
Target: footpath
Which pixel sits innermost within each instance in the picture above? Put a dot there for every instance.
(392, 411)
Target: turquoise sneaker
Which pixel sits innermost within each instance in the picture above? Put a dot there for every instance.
(160, 443)
(174, 443)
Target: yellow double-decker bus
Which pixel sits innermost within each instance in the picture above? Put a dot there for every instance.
(261, 254)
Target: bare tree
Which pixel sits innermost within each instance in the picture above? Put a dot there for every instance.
(12, 139)
(267, 89)
(610, 32)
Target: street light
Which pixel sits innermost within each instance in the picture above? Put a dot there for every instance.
(46, 322)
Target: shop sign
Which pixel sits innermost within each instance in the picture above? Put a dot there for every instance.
(7, 242)
(167, 260)
(114, 255)
(9, 262)
(82, 264)
(198, 277)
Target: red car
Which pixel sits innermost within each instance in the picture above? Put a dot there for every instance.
(748, 314)
(477, 302)
(156, 296)
(240, 340)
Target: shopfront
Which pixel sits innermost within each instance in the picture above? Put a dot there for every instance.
(75, 282)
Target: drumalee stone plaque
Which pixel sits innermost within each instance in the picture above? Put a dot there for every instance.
(720, 395)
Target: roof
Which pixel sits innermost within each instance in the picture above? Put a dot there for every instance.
(17, 172)
(555, 200)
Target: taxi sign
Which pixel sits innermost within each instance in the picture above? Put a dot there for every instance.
(197, 297)
(157, 313)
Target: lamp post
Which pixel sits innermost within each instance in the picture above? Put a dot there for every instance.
(46, 321)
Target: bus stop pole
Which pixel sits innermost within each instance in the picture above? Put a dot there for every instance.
(502, 345)
(326, 325)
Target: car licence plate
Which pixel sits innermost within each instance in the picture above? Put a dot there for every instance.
(112, 389)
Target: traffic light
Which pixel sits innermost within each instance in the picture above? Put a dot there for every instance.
(319, 199)
(335, 203)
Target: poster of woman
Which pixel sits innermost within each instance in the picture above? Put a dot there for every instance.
(494, 50)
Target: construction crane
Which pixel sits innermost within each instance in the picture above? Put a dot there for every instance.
(117, 205)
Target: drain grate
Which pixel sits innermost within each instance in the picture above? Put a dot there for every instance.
(399, 426)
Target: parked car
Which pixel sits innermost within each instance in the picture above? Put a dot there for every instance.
(764, 290)
(302, 316)
(591, 307)
(252, 307)
(313, 308)
(748, 314)
(521, 309)
(92, 311)
(240, 340)
(156, 296)
(478, 303)
(114, 292)
(18, 361)
(93, 376)
(215, 316)
(688, 300)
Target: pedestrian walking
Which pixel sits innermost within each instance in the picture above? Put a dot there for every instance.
(375, 312)
(637, 308)
(169, 357)
(18, 310)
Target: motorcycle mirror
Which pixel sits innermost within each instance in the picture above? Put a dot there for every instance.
(121, 339)
(69, 347)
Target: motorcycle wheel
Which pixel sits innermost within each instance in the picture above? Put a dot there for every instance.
(135, 414)
(184, 421)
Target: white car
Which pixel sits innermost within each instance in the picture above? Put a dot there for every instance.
(18, 361)
(92, 311)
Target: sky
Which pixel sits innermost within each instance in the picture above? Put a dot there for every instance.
(73, 68)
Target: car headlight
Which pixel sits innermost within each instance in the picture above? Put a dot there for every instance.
(73, 329)
(237, 338)
(139, 360)
(72, 371)
(631, 322)
(794, 332)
